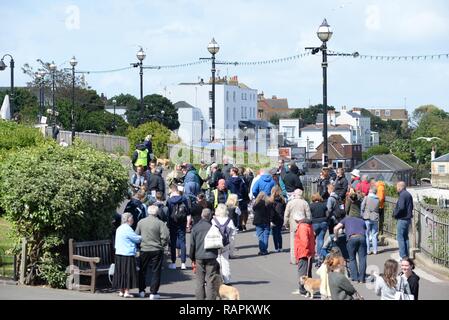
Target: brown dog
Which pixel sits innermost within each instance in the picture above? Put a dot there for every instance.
(311, 285)
(228, 293)
(163, 162)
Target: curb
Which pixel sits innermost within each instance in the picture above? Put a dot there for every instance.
(8, 282)
(423, 260)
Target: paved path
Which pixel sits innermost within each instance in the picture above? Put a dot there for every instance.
(256, 277)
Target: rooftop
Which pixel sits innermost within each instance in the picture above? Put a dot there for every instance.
(389, 160)
(316, 127)
(443, 158)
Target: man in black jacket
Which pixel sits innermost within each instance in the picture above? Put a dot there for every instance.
(156, 182)
(292, 180)
(403, 212)
(204, 262)
(323, 182)
(341, 184)
(215, 175)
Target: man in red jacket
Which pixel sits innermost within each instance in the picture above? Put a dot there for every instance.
(304, 249)
(363, 186)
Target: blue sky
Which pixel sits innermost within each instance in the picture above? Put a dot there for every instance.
(106, 35)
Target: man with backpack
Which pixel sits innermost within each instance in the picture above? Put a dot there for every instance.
(136, 207)
(228, 230)
(336, 213)
(204, 261)
(178, 222)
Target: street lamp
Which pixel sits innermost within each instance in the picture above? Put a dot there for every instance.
(52, 68)
(201, 137)
(114, 103)
(213, 49)
(3, 67)
(73, 63)
(245, 141)
(140, 56)
(39, 76)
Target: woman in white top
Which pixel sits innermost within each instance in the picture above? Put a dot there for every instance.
(222, 221)
(389, 283)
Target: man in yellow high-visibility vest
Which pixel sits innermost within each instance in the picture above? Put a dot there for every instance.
(140, 157)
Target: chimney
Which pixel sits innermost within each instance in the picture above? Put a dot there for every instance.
(432, 154)
(274, 97)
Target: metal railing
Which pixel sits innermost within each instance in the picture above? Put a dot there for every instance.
(103, 142)
(429, 233)
(7, 266)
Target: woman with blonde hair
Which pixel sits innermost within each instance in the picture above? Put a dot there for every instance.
(228, 230)
(340, 287)
(232, 203)
(276, 207)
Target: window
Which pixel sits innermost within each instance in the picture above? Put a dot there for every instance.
(210, 95)
(233, 96)
(234, 114)
(377, 112)
(242, 96)
(441, 169)
(289, 132)
(241, 112)
(227, 95)
(227, 113)
(311, 145)
(387, 113)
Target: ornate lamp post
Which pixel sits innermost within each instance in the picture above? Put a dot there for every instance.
(73, 63)
(3, 67)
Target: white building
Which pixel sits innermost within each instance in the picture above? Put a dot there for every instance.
(290, 129)
(313, 134)
(360, 126)
(234, 102)
(190, 123)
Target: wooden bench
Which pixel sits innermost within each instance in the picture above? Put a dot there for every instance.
(91, 259)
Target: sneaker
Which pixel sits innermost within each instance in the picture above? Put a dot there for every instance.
(183, 266)
(142, 294)
(154, 296)
(127, 295)
(172, 266)
(120, 294)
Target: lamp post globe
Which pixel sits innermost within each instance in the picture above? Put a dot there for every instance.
(141, 54)
(52, 66)
(73, 61)
(324, 32)
(2, 65)
(213, 46)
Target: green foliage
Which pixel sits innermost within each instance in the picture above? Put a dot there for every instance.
(104, 122)
(375, 150)
(50, 194)
(15, 136)
(431, 201)
(161, 137)
(275, 119)
(153, 106)
(390, 191)
(309, 114)
(126, 100)
(25, 104)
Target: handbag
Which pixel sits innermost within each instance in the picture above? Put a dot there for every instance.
(401, 295)
(213, 239)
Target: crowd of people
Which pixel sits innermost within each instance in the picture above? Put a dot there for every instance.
(335, 231)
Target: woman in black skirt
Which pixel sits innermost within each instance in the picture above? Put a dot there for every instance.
(125, 273)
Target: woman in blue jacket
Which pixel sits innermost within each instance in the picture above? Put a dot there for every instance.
(125, 273)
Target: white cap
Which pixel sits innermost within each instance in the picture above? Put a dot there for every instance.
(356, 172)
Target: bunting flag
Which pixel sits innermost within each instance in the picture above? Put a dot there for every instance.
(285, 59)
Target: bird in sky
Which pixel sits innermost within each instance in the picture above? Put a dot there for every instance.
(429, 139)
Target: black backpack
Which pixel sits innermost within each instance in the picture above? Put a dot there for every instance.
(224, 230)
(179, 212)
(338, 212)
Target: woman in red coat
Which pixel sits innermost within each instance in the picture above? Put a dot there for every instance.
(304, 249)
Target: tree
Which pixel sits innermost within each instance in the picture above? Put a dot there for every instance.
(375, 150)
(275, 119)
(421, 111)
(309, 114)
(153, 106)
(105, 122)
(126, 100)
(60, 193)
(161, 137)
(26, 106)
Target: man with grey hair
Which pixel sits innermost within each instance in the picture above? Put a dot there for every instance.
(204, 261)
(155, 236)
(403, 212)
(297, 205)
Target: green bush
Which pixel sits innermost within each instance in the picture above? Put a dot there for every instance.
(50, 194)
(14, 136)
(161, 137)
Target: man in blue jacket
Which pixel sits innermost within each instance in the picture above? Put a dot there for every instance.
(265, 183)
(192, 181)
(236, 184)
(403, 212)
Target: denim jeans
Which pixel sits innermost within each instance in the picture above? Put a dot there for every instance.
(277, 237)
(178, 237)
(357, 247)
(263, 233)
(372, 230)
(320, 231)
(402, 237)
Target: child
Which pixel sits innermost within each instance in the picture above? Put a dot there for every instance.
(323, 271)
